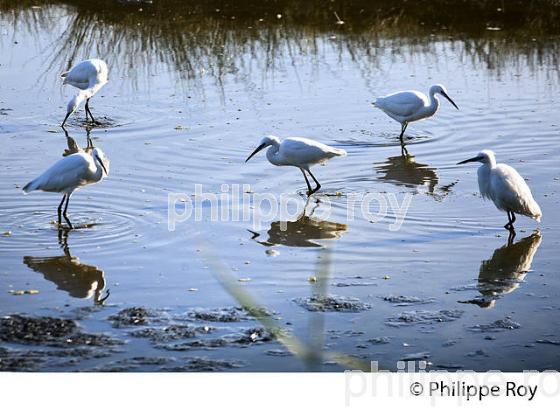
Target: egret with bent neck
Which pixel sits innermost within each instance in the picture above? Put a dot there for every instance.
(409, 106)
(298, 152)
(89, 76)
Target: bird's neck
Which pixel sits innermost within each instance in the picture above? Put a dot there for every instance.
(91, 91)
(484, 168)
(434, 103)
(98, 174)
(82, 96)
(272, 154)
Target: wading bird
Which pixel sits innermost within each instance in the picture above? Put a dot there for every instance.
(69, 174)
(89, 76)
(505, 187)
(409, 106)
(298, 152)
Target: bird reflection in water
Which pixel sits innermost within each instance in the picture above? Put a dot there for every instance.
(403, 170)
(507, 268)
(69, 273)
(73, 146)
(303, 232)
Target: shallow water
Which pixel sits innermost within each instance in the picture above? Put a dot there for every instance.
(187, 101)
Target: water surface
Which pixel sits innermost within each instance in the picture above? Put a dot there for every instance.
(192, 90)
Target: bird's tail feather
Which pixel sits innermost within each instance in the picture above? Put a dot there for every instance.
(535, 211)
(537, 216)
(64, 76)
(339, 152)
(29, 187)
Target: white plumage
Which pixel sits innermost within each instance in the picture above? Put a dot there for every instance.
(297, 152)
(69, 174)
(89, 76)
(505, 187)
(408, 106)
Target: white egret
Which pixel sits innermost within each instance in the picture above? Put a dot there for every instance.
(89, 76)
(298, 152)
(505, 187)
(69, 174)
(409, 106)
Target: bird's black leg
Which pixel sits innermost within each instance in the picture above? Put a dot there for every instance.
(60, 209)
(511, 220)
(309, 190)
(64, 213)
(403, 129)
(63, 240)
(88, 111)
(404, 151)
(508, 225)
(511, 237)
(317, 182)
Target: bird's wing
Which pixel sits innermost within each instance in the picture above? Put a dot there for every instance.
(68, 172)
(403, 103)
(512, 192)
(305, 151)
(99, 78)
(81, 73)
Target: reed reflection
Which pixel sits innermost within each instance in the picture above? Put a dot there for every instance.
(217, 39)
(69, 274)
(506, 269)
(304, 232)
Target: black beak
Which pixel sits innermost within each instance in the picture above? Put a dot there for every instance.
(255, 151)
(474, 159)
(102, 165)
(65, 118)
(449, 98)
